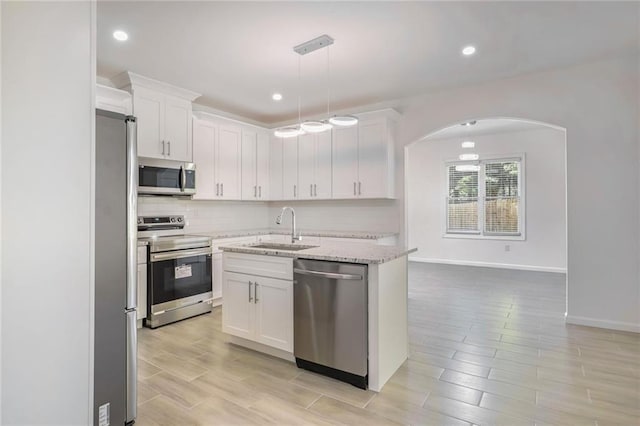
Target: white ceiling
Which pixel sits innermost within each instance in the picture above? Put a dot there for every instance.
(238, 53)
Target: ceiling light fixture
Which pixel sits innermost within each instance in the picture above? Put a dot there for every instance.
(468, 144)
(469, 123)
(315, 126)
(276, 96)
(120, 35)
(468, 50)
(468, 157)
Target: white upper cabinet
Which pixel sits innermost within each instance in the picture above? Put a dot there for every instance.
(345, 162)
(163, 115)
(314, 165)
(275, 168)
(217, 155)
(290, 190)
(255, 164)
(363, 159)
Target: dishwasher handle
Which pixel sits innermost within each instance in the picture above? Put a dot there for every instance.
(331, 275)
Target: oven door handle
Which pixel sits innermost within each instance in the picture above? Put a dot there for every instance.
(180, 254)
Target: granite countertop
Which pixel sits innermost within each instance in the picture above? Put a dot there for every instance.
(336, 252)
(303, 232)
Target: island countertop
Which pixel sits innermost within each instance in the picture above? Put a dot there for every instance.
(331, 251)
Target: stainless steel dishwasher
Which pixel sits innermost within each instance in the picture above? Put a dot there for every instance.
(330, 319)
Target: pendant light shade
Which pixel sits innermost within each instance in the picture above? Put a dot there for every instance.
(343, 120)
(288, 132)
(316, 126)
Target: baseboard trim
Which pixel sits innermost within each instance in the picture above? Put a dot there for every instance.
(599, 323)
(489, 264)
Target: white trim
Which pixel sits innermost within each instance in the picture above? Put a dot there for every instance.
(478, 236)
(602, 323)
(130, 80)
(92, 205)
(489, 264)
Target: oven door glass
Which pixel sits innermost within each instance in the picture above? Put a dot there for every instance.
(177, 278)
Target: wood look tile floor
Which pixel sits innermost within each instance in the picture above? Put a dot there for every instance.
(487, 347)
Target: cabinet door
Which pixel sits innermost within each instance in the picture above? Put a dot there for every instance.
(274, 313)
(249, 184)
(204, 154)
(275, 168)
(238, 307)
(217, 275)
(148, 107)
(228, 162)
(142, 291)
(373, 160)
(263, 166)
(306, 165)
(177, 129)
(290, 169)
(345, 162)
(322, 184)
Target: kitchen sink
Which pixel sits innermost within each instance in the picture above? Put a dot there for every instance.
(282, 246)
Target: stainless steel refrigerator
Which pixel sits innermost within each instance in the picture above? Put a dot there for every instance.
(115, 269)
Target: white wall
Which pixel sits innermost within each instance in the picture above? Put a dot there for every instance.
(206, 216)
(341, 215)
(544, 182)
(598, 105)
(47, 142)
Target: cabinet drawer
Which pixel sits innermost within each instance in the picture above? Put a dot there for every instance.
(142, 255)
(261, 265)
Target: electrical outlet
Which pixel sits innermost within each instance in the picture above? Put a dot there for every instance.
(103, 414)
(507, 247)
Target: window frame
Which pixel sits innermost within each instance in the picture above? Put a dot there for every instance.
(480, 234)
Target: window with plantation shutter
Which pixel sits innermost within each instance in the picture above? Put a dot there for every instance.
(484, 198)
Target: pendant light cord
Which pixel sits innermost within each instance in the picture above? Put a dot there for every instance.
(299, 88)
(328, 83)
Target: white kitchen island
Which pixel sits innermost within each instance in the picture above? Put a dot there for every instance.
(262, 320)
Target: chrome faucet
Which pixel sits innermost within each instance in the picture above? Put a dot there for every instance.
(294, 238)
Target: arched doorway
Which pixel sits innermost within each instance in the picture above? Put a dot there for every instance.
(489, 193)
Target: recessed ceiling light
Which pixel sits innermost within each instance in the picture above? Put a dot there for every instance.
(468, 50)
(468, 123)
(120, 35)
(468, 144)
(276, 96)
(469, 157)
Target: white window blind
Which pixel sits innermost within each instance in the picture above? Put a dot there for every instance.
(484, 197)
(502, 198)
(462, 202)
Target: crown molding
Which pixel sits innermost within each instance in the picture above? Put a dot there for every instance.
(129, 81)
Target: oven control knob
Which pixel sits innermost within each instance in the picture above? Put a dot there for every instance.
(179, 219)
(140, 220)
(173, 219)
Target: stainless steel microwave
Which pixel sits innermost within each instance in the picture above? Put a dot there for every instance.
(166, 177)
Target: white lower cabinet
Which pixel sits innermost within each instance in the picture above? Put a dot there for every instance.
(256, 307)
(216, 264)
(142, 283)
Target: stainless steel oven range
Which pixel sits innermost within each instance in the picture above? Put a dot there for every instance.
(179, 270)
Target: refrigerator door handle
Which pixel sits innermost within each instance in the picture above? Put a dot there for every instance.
(132, 213)
(132, 368)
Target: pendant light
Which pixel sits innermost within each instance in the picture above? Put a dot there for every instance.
(315, 126)
(292, 131)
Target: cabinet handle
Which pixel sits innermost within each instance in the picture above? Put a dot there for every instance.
(310, 190)
(255, 293)
(354, 188)
(222, 189)
(359, 188)
(250, 298)
(315, 190)
(162, 147)
(255, 191)
(217, 189)
(169, 148)
(294, 191)
(259, 191)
